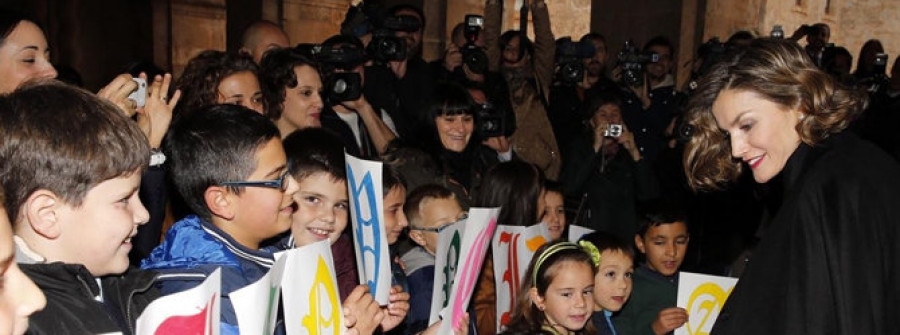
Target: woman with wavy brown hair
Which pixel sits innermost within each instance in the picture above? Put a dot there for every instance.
(829, 262)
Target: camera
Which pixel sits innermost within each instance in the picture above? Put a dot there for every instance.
(777, 32)
(570, 59)
(385, 47)
(474, 57)
(140, 94)
(491, 121)
(613, 130)
(338, 86)
(632, 62)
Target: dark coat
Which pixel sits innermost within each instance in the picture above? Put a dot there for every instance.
(829, 262)
(612, 186)
(71, 309)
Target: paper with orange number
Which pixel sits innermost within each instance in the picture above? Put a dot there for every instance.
(309, 292)
(513, 248)
(702, 296)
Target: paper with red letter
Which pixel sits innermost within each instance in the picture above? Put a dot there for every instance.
(310, 291)
(513, 248)
(367, 217)
(195, 311)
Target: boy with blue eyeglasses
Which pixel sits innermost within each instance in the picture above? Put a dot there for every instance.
(230, 168)
(429, 209)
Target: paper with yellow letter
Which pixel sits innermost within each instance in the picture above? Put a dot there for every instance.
(703, 297)
(310, 292)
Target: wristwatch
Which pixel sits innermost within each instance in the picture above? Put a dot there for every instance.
(157, 158)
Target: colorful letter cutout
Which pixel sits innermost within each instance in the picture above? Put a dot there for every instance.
(513, 248)
(367, 215)
(195, 311)
(310, 295)
(479, 229)
(703, 297)
(445, 264)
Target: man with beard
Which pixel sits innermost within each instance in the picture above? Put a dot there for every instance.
(566, 101)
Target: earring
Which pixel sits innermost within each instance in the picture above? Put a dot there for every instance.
(802, 116)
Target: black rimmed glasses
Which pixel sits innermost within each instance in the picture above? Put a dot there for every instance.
(279, 184)
(441, 228)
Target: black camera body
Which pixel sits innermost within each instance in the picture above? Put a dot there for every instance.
(473, 56)
(491, 121)
(385, 47)
(570, 58)
(632, 63)
(338, 86)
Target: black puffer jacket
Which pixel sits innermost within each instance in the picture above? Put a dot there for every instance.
(71, 308)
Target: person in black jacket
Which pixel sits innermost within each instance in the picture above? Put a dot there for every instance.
(72, 169)
(828, 262)
(607, 171)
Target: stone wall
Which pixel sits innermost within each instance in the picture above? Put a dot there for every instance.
(852, 22)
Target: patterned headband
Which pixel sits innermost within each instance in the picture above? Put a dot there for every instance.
(585, 246)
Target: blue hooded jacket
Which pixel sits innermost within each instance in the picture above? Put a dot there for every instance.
(193, 249)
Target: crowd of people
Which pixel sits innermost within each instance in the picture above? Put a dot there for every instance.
(244, 151)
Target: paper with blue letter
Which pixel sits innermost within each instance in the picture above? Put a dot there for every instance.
(256, 305)
(310, 291)
(446, 261)
(367, 215)
(479, 229)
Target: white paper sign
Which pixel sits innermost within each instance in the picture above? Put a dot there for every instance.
(367, 216)
(576, 232)
(513, 248)
(446, 261)
(194, 311)
(256, 305)
(310, 291)
(702, 296)
(479, 229)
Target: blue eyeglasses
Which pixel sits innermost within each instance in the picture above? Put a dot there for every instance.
(280, 183)
(441, 228)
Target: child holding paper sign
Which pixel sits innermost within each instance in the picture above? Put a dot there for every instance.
(430, 209)
(316, 161)
(395, 223)
(612, 283)
(663, 239)
(559, 283)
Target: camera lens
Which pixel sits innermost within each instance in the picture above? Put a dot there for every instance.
(340, 86)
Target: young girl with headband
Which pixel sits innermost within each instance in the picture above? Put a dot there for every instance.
(560, 283)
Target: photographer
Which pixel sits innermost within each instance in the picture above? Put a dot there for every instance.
(817, 37)
(651, 101)
(528, 70)
(584, 64)
(605, 169)
(366, 130)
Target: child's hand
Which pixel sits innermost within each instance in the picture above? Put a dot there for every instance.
(669, 319)
(362, 314)
(398, 306)
(461, 329)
